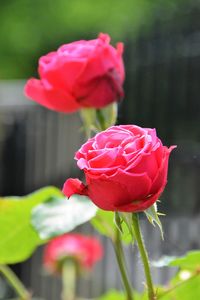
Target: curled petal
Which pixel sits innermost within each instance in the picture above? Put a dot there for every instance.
(74, 186)
(50, 97)
(161, 177)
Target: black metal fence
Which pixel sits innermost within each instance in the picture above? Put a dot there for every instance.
(163, 91)
(37, 146)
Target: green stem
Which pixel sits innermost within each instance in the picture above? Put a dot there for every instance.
(120, 259)
(15, 282)
(144, 256)
(69, 272)
(101, 119)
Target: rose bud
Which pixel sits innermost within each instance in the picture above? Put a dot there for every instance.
(125, 168)
(84, 250)
(79, 75)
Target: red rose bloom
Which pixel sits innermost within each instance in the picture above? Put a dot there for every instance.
(125, 168)
(80, 74)
(86, 250)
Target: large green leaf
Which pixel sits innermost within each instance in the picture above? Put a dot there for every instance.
(185, 285)
(191, 261)
(18, 239)
(60, 215)
(103, 222)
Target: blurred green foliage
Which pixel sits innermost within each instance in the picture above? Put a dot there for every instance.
(29, 28)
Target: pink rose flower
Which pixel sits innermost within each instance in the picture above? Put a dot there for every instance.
(85, 250)
(80, 74)
(125, 168)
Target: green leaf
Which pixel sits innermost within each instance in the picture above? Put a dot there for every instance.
(153, 217)
(185, 285)
(190, 261)
(61, 215)
(18, 239)
(103, 222)
(184, 290)
(113, 295)
(119, 295)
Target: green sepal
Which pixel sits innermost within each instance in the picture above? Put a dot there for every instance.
(153, 216)
(88, 116)
(124, 222)
(109, 114)
(118, 222)
(96, 120)
(127, 219)
(103, 222)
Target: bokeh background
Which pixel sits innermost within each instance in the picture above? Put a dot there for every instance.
(162, 90)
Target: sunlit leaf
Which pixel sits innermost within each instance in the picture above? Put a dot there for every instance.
(18, 239)
(61, 215)
(191, 261)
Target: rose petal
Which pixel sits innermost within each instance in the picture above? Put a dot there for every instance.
(138, 205)
(50, 98)
(103, 60)
(120, 189)
(147, 163)
(98, 92)
(74, 186)
(63, 72)
(161, 178)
